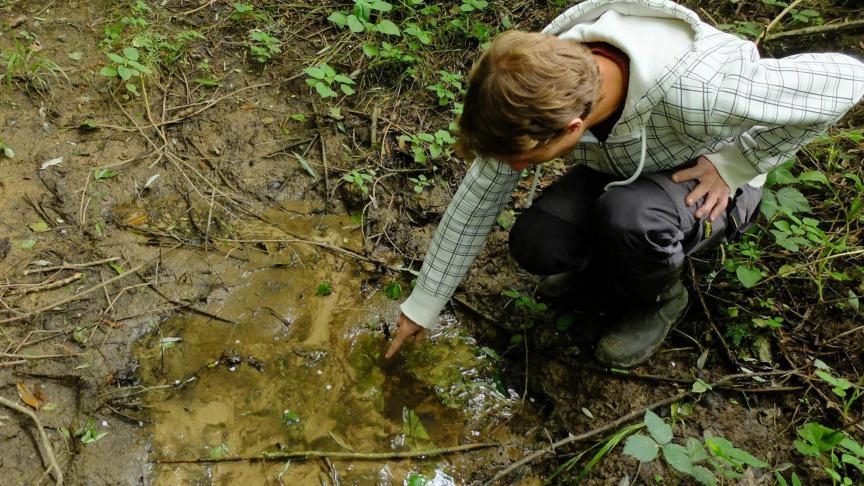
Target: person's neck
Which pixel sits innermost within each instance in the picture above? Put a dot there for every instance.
(612, 89)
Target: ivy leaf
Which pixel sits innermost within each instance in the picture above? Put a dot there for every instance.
(659, 430)
(641, 447)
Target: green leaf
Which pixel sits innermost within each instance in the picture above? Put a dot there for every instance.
(348, 90)
(40, 227)
(315, 72)
(748, 276)
(641, 447)
(387, 27)
(126, 73)
(380, 5)
(792, 200)
(338, 18)
(703, 475)
(415, 479)
(101, 174)
(324, 91)
(108, 71)
(659, 430)
(305, 165)
(25, 244)
(393, 290)
(341, 78)
(677, 457)
(354, 24)
(75, 56)
(324, 288)
(412, 427)
(721, 446)
(699, 386)
(290, 418)
(116, 58)
(140, 67)
(814, 176)
(565, 322)
(131, 53)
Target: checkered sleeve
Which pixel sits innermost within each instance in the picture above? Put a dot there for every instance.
(767, 110)
(466, 223)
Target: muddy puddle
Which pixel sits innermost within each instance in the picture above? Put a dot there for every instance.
(294, 363)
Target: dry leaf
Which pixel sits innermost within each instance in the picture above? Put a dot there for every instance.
(33, 398)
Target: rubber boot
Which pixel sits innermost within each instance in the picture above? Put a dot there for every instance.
(638, 334)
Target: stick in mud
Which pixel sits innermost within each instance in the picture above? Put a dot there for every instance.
(357, 456)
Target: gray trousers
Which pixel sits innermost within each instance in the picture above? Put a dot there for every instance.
(635, 234)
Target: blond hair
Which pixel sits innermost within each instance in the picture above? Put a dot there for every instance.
(524, 91)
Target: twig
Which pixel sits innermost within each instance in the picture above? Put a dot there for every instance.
(806, 264)
(729, 355)
(188, 12)
(817, 29)
(359, 456)
(47, 285)
(40, 356)
(74, 297)
(68, 266)
(620, 421)
(777, 19)
(58, 474)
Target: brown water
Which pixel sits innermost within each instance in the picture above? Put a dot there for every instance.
(301, 371)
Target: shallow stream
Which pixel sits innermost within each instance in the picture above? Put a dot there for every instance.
(298, 370)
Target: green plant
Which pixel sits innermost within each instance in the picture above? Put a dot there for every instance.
(359, 178)
(393, 290)
(244, 12)
(27, 68)
(324, 288)
(262, 46)
(420, 183)
(125, 67)
(824, 444)
(6, 150)
(360, 18)
(725, 459)
(323, 78)
(524, 301)
(426, 146)
(605, 447)
(473, 5)
(88, 433)
(449, 90)
(844, 389)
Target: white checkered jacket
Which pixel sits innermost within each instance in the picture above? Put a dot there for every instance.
(718, 98)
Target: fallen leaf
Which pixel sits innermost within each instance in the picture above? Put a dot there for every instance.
(40, 226)
(75, 56)
(51, 163)
(32, 398)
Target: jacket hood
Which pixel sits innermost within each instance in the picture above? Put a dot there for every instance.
(655, 34)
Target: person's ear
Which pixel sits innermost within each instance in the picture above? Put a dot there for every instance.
(574, 126)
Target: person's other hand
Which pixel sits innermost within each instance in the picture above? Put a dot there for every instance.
(407, 330)
(711, 186)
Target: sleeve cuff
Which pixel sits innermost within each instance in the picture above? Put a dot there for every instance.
(423, 308)
(733, 167)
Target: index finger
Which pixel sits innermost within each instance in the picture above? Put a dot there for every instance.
(397, 343)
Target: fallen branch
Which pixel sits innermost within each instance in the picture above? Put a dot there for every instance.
(817, 29)
(359, 456)
(73, 297)
(46, 285)
(68, 266)
(58, 474)
(621, 421)
(777, 19)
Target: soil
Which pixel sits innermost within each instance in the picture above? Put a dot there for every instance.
(205, 329)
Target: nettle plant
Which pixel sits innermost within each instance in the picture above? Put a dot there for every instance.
(724, 459)
(427, 146)
(360, 19)
(360, 178)
(324, 78)
(126, 67)
(449, 89)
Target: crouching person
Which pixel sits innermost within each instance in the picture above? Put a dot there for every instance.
(672, 126)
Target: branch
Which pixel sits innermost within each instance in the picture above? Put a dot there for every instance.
(58, 474)
(362, 456)
(817, 29)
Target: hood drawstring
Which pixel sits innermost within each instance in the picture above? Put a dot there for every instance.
(538, 171)
(638, 172)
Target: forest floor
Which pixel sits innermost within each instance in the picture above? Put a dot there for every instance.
(210, 210)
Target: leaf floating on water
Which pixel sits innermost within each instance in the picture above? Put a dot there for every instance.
(290, 417)
(412, 427)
